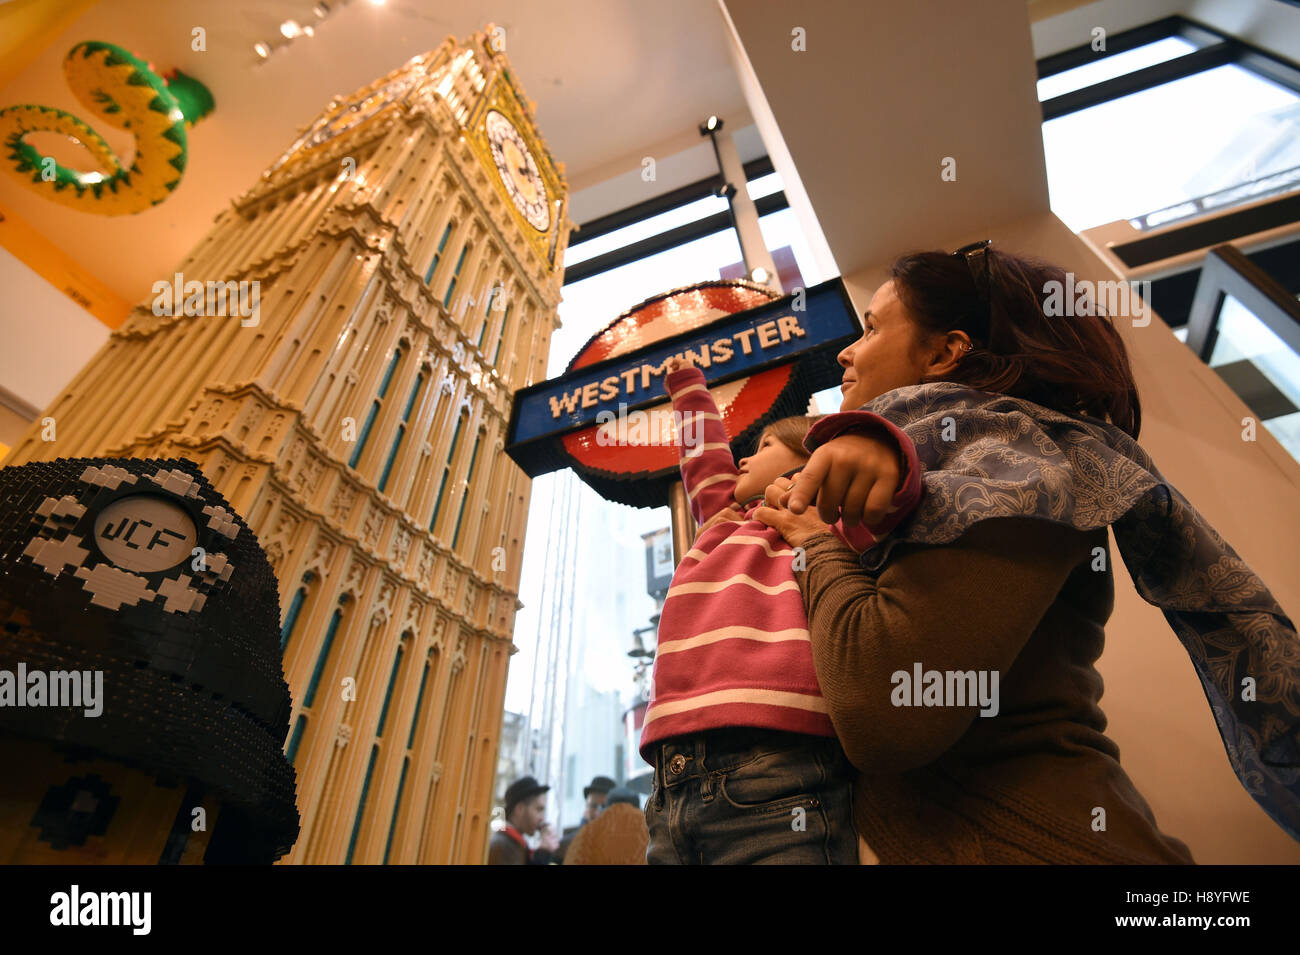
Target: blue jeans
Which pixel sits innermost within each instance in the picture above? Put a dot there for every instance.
(751, 797)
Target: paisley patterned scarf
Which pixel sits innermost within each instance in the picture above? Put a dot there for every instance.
(988, 456)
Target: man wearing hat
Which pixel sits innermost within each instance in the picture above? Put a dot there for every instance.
(595, 794)
(525, 814)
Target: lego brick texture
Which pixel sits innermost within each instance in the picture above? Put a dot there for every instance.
(193, 686)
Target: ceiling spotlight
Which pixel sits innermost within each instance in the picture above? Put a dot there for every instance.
(321, 10)
(290, 29)
(308, 31)
(262, 50)
(759, 275)
(710, 125)
(376, 3)
(725, 191)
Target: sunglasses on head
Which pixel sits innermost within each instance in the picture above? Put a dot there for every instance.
(976, 255)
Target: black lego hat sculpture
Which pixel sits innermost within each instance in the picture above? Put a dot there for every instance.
(140, 571)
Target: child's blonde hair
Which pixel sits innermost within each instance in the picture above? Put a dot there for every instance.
(790, 432)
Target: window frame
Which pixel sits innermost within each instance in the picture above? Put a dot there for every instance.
(670, 239)
(1149, 247)
(1214, 48)
(1227, 271)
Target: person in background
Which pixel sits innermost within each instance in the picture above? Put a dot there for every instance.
(525, 807)
(595, 796)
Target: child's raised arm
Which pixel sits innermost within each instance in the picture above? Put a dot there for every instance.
(708, 469)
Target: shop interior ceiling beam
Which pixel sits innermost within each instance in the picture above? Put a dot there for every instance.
(905, 122)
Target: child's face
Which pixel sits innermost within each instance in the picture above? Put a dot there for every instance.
(770, 461)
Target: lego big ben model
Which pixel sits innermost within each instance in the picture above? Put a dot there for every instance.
(403, 264)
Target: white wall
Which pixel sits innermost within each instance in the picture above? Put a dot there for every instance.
(47, 338)
(1269, 24)
(1074, 28)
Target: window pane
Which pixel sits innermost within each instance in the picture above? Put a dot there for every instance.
(594, 302)
(1261, 369)
(764, 185)
(781, 229)
(1109, 67)
(701, 208)
(1169, 144)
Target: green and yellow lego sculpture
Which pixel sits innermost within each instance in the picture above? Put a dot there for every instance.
(123, 91)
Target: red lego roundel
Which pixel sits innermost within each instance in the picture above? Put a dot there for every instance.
(644, 444)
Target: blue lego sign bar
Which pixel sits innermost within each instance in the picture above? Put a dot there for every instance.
(782, 331)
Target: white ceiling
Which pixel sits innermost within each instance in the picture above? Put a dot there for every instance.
(613, 80)
(904, 135)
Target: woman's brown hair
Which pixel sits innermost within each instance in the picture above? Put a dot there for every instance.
(1076, 364)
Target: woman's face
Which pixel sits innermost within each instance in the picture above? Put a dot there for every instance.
(889, 354)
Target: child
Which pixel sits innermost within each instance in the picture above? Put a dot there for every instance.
(747, 766)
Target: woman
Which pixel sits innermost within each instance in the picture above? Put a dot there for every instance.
(957, 657)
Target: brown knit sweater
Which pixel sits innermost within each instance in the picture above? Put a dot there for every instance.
(942, 784)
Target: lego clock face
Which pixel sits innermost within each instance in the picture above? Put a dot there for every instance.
(518, 171)
(350, 116)
(357, 112)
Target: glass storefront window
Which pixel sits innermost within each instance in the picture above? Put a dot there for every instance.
(592, 303)
(657, 225)
(1117, 64)
(1169, 144)
(644, 229)
(1261, 369)
(584, 592)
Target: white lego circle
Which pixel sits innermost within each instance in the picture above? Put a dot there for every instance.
(145, 533)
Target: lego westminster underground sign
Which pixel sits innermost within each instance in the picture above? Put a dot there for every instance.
(608, 416)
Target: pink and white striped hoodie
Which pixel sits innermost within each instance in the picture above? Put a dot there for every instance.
(733, 647)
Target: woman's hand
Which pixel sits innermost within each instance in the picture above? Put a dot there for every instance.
(795, 528)
(852, 478)
(728, 515)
